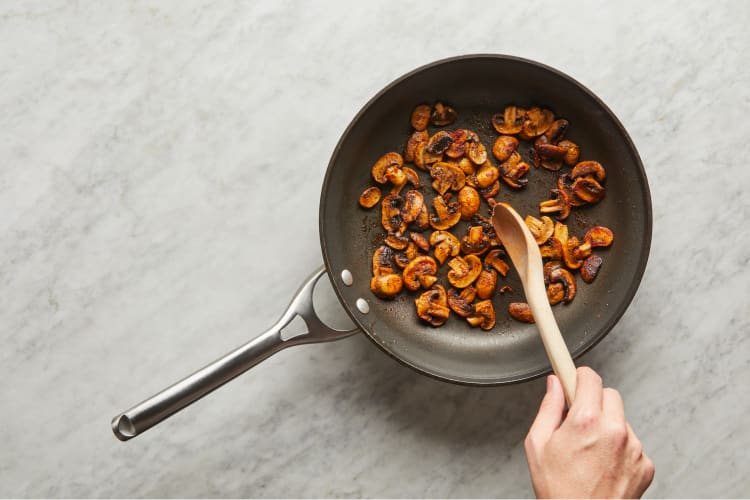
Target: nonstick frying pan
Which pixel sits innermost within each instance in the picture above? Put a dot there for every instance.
(477, 86)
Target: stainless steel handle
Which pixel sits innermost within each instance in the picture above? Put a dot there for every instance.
(150, 412)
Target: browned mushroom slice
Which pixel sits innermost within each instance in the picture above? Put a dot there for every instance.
(379, 169)
(490, 191)
(556, 131)
(589, 168)
(396, 176)
(464, 270)
(461, 301)
(484, 315)
(486, 283)
(582, 251)
(458, 146)
(411, 251)
(419, 155)
(495, 261)
(476, 152)
(568, 281)
(552, 249)
(369, 197)
(489, 230)
(510, 121)
(555, 293)
(486, 175)
(559, 204)
(390, 214)
(549, 156)
(420, 241)
(590, 268)
(382, 261)
(549, 267)
(599, 236)
(439, 143)
(446, 215)
(412, 207)
(412, 177)
(417, 138)
(475, 242)
(520, 311)
(541, 229)
(432, 306)
(569, 254)
(420, 117)
(572, 152)
(513, 169)
(386, 286)
(423, 220)
(466, 166)
(504, 146)
(446, 245)
(447, 176)
(565, 184)
(396, 241)
(536, 122)
(587, 189)
(469, 201)
(401, 259)
(443, 115)
(420, 271)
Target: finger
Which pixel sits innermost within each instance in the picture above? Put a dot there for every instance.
(588, 401)
(613, 407)
(550, 412)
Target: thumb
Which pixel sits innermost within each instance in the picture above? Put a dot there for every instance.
(551, 410)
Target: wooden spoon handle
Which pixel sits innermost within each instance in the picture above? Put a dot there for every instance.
(554, 344)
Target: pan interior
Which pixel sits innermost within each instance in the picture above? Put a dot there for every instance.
(477, 87)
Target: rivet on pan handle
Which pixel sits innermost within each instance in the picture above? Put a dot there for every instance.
(153, 410)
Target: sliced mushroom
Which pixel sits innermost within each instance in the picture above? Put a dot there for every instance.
(476, 152)
(486, 175)
(466, 166)
(369, 197)
(552, 249)
(420, 271)
(559, 204)
(469, 201)
(486, 283)
(484, 315)
(556, 131)
(390, 214)
(475, 242)
(412, 206)
(411, 251)
(401, 259)
(458, 146)
(443, 115)
(446, 245)
(599, 236)
(569, 254)
(589, 168)
(510, 121)
(447, 176)
(582, 251)
(432, 306)
(588, 189)
(396, 242)
(380, 168)
(513, 169)
(439, 143)
(520, 311)
(386, 286)
(412, 177)
(555, 293)
(461, 301)
(464, 270)
(565, 184)
(572, 152)
(541, 229)
(561, 232)
(504, 146)
(549, 156)
(420, 117)
(495, 261)
(490, 192)
(417, 138)
(590, 268)
(382, 261)
(446, 215)
(549, 267)
(396, 176)
(421, 242)
(489, 230)
(536, 122)
(423, 220)
(568, 281)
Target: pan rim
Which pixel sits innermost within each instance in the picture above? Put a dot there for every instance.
(645, 243)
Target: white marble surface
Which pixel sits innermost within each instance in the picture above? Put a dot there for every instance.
(141, 151)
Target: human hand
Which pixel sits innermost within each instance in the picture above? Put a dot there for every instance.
(590, 453)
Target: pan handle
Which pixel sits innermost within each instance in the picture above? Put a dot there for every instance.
(166, 403)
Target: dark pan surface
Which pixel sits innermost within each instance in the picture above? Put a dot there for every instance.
(477, 87)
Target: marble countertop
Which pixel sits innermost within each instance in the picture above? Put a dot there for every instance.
(140, 150)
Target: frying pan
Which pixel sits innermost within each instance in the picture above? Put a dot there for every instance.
(477, 86)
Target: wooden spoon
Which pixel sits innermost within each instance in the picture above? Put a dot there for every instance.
(524, 253)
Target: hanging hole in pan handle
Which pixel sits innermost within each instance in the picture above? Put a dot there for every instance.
(153, 410)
